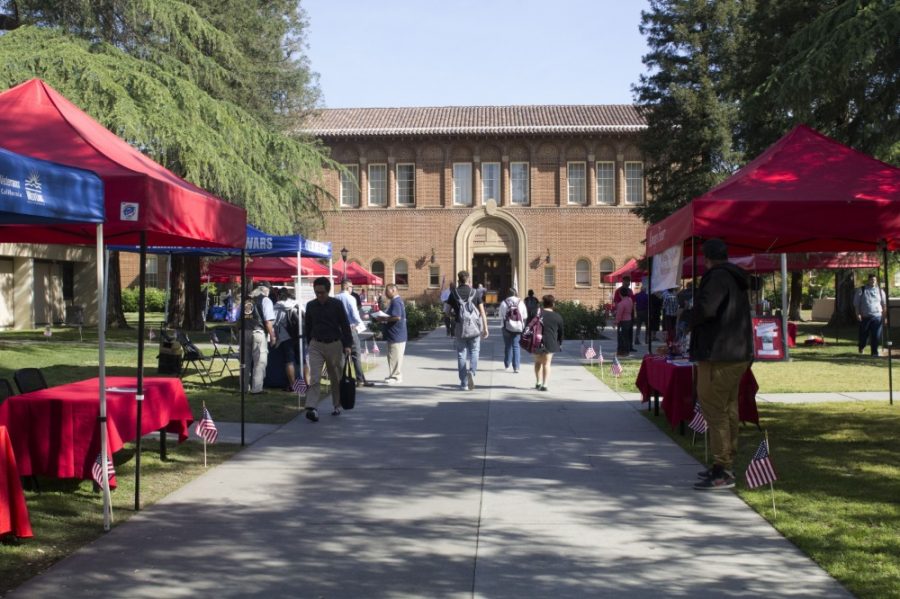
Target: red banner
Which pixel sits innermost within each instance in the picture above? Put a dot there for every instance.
(767, 339)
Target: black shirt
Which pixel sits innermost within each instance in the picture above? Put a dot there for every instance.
(553, 331)
(327, 322)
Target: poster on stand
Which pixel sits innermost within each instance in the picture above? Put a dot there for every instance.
(767, 341)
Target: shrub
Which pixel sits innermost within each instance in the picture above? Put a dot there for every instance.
(580, 321)
(154, 299)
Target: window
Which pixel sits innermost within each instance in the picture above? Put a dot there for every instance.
(152, 279)
(583, 273)
(518, 174)
(549, 276)
(378, 269)
(377, 185)
(606, 182)
(434, 276)
(462, 184)
(607, 267)
(634, 182)
(490, 182)
(401, 274)
(576, 177)
(406, 184)
(350, 186)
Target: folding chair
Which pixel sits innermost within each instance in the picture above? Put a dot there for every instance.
(192, 356)
(218, 337)
(6, 390)
(29, 379)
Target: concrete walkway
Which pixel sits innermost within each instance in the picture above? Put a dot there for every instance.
(427, 491)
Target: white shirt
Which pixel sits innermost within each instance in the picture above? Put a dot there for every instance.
(504, 308)
(350, 307)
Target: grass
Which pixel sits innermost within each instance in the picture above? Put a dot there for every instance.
(68, 514)
(837, 490)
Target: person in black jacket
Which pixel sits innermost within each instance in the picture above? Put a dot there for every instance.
(722, 346)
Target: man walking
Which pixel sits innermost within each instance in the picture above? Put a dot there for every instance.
(259, 318)
(330, 340)
(470, 321)
(349, 301)
(722, 346)
(870, 304)
(394, 332)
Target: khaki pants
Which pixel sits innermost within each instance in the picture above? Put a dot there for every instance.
(395, 360)
(331, 355)
(718, 384)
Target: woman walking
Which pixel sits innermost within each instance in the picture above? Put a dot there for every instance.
(550, 344)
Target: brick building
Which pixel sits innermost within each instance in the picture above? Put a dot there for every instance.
(539, 195)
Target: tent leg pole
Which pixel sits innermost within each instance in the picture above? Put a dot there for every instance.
(887, 322)
(784, 307)
(243, 352)
(139, 394)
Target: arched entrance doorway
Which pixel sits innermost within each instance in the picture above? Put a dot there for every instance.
(490, 244)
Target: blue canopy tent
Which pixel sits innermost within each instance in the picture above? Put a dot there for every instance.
(259, 243)
(35, 193)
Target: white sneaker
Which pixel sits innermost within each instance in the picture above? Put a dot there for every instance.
(470, 380)
(507, 368)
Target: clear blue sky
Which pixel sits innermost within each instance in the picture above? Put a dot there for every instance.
(379, 53)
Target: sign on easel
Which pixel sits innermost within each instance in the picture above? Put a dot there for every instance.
(767, 340)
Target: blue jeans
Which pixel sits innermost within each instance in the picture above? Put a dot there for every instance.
(870, 333)
(464, 347)
(511, 352)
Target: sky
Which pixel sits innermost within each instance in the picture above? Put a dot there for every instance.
(386, 53)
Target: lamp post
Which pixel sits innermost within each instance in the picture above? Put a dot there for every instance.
(344, 253)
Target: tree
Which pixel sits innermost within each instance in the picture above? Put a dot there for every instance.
(691, 114)
(199, 94)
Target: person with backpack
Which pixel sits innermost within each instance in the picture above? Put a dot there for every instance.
(259, 319)
(349, 301)
(551, 342)
(512, 314)
(470, 324)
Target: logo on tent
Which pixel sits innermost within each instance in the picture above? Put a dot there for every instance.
(33, 188)
(7, 185)
(259, 243)
(128, 211)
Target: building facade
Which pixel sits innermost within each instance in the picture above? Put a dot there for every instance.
(539, 197)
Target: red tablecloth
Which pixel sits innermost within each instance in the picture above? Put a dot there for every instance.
(675, 385)
(13, 512)
(54, 431)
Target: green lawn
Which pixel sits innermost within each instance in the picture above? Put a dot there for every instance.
(837, 493)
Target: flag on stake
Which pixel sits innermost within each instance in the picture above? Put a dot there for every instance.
(151, 335)
(206, 428)
(616, 368)
(97, 471)
(760, 470)
(698, 423)
(590, 353)
(300, 385)
(375, 349)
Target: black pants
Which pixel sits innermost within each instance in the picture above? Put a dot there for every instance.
(625, 338)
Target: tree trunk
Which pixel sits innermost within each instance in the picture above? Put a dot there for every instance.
(844, 287)
(115, 316)
(195, 301)
(796, 295)
(176, 293)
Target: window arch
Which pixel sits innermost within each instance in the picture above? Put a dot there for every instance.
(607, 267)
(582, 272)
(401, 273)
(378, 268)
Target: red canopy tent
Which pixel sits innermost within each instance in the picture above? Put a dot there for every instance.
(359, 275)
(805, 193)
(271, 268)
(626, 270)
(141, 195)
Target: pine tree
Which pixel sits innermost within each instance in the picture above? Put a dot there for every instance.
(686, 99)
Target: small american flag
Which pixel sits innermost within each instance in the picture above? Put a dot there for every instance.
(365, 349)
(616, 367)
(97, 471)
(600, 356)
(300, 385)
(206, 428)
(760, 470)
(375, 349)
(698, 423)
(151, 335)
(590, 353)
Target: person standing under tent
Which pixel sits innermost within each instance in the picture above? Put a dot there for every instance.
(870, 304)
(722, 346)
(347, 299)
(641, 313)
(287, 317)
(259, 315)
(624, 312)
(328, 333)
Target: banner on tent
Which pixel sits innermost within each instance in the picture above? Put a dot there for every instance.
(667, 269)
(767, 342)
